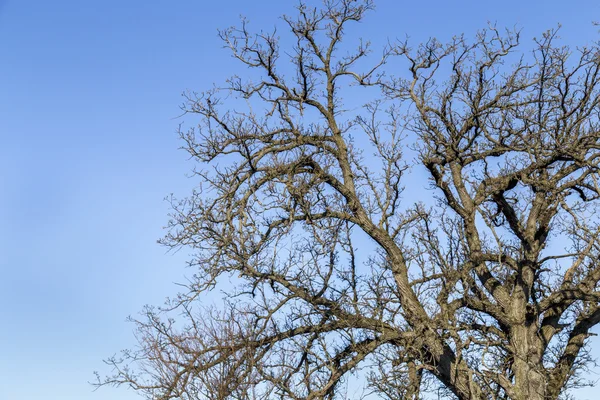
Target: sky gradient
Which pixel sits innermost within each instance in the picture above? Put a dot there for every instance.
(89, 105)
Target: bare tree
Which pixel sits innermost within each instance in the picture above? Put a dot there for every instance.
(488, 289)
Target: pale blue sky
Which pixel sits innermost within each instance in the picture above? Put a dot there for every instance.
(89, 96)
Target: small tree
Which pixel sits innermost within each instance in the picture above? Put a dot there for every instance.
(488, 290)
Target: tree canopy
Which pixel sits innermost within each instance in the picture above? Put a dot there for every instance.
(484, 287)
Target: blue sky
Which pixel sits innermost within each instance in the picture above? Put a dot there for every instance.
(89, 96)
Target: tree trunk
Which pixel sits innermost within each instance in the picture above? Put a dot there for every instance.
(529, 379)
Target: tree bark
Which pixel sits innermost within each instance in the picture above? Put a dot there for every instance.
(529, 378)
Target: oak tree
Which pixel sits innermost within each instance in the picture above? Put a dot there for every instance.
(441, 236)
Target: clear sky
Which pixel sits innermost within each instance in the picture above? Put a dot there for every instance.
(89, 96)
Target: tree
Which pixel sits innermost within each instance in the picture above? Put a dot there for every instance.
(487, 290)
